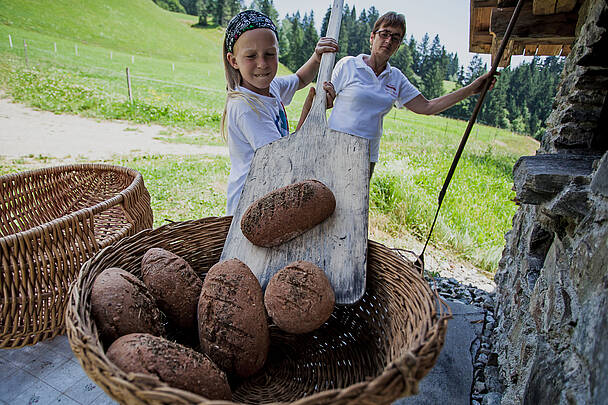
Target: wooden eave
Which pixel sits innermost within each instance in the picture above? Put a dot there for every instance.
(544, 27)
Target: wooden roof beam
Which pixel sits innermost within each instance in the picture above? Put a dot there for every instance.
(558, 27)
(484, 3)
(545, 7)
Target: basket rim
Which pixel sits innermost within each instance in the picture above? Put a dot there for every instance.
(83, 212)
(441, 316)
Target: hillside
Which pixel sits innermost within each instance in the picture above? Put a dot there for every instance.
(137, 26)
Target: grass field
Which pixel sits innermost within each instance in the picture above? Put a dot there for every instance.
(177, 81)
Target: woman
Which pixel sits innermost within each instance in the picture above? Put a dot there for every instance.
(367, 87)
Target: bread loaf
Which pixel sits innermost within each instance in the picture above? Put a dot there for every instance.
(233, 329)
(174, 284)
(121, 304)
(176, 365)
(299, 298)
(287, 212)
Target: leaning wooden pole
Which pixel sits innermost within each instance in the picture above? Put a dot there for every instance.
(503, 44)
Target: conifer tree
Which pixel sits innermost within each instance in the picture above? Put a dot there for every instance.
(309, 36)
(201, 11)
(325, 22)
(266, 7)
(296, 39)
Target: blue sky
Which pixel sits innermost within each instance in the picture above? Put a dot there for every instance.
(448, 18)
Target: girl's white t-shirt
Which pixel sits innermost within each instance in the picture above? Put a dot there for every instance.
(363, 99)
(251, 125)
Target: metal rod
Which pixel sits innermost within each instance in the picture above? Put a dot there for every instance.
(467, 132)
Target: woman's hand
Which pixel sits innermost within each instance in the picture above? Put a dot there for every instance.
(477, 85)
(330, 94)
(325, 44)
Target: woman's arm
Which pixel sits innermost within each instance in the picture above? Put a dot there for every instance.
(421, 105)
(307, 72)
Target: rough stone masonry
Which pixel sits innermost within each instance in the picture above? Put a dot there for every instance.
(551, 336)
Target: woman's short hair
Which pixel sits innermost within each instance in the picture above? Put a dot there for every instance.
(390, 19)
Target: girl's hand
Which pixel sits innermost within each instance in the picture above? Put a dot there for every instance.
(477, 84)
(325, 44)
(330, 94)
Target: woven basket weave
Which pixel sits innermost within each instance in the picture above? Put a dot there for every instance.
(372, 352)
(51, 221)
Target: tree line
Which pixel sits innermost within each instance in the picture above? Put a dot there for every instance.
(521, 100)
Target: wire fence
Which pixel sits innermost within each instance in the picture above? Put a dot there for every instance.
(92, 58)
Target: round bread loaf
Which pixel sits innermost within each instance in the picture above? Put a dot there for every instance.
(121, 304)
(177, 365)
(299, 297)
(174, 284)
(233, 328)
(287, 212)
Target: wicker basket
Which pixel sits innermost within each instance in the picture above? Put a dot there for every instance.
(372, 352)
(51, 221)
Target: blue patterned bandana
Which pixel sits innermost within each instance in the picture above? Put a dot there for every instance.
(245, 21)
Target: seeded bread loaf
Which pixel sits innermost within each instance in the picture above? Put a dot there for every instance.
(287, 212)
(233, 329)
(176, 365)
(121, 304)
(174, 284)
(299, 298)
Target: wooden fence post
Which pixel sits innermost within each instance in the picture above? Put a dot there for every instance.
(76, 49)
(10, 41)
(129, 86)
(55, 46)
(25, 51)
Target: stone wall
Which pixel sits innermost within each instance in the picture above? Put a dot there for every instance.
(552, 283)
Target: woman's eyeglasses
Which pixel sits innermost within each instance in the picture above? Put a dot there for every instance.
(386, 34)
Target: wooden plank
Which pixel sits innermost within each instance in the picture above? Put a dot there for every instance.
(530, 49)
(549, 50)
(480, 39)
(558, 27)
(484, 3)
(480, 42)
(544, 7)
(566, 49)
(565, 6)
(506, 56)
(338, 245)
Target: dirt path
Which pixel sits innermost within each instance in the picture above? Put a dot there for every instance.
(25, 131)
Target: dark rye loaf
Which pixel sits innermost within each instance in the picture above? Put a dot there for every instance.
(287, 212)
(299, 298)
(174, 284)
(233, 329)
(174, 364)
(121, 304)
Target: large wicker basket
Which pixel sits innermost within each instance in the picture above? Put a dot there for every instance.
(372, 352)
(51, 221)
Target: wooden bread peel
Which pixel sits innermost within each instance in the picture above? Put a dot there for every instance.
(340, 161)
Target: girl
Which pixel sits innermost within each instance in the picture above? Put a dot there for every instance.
(254, 114)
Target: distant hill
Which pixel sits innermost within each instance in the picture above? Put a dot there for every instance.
(133, 26)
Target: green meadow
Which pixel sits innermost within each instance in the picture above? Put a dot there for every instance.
(71, 58)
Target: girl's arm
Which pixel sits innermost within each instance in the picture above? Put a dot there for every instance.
(307, 72)
(421, 105)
